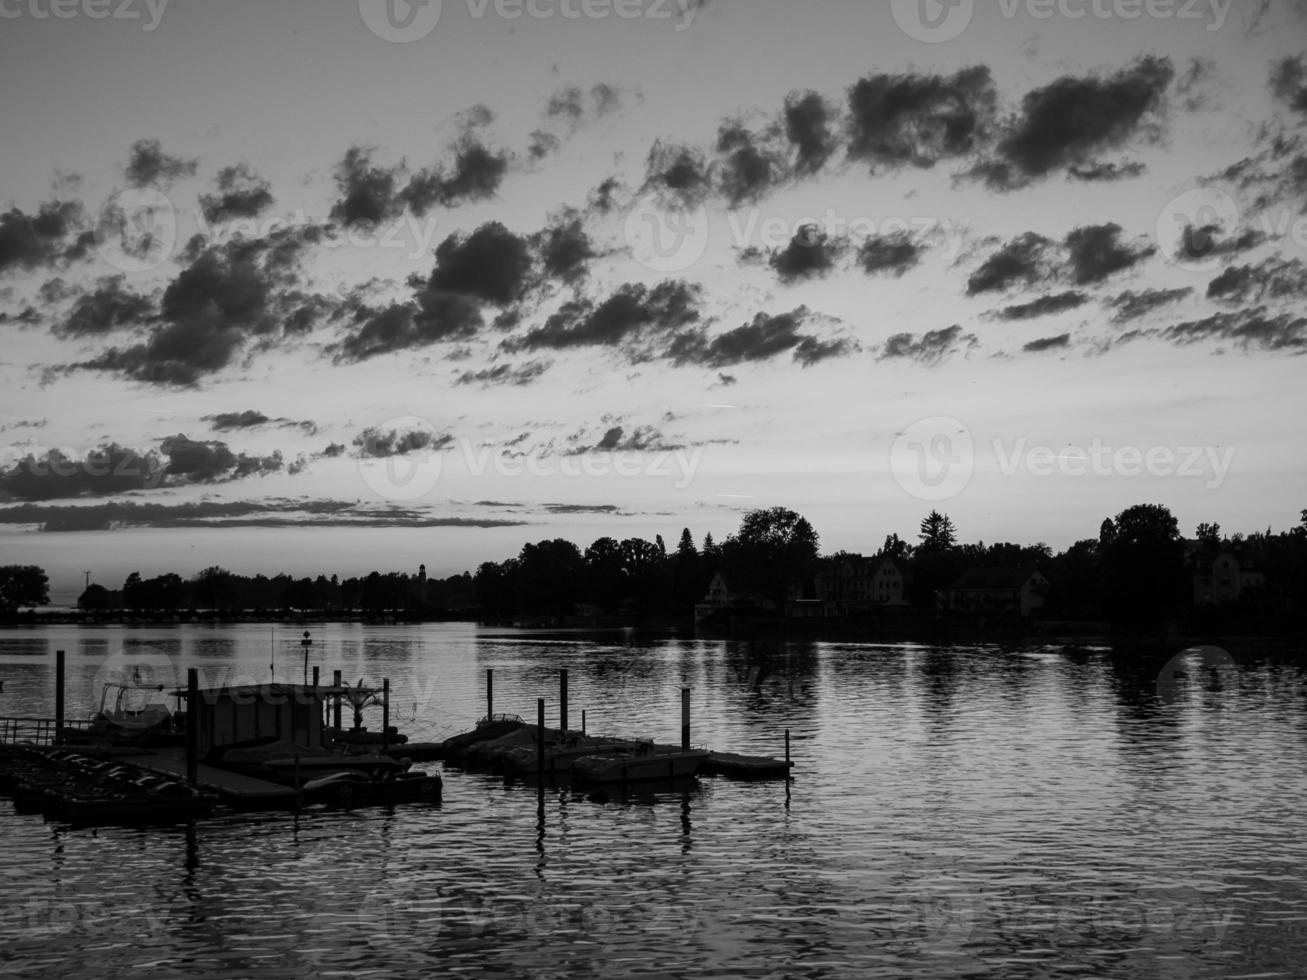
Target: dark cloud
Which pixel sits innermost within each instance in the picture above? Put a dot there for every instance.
(190, 461)
(1204, 241)
(1095, 252)
(1105, 172)
(1272, 278)
(677, 173)
(54, 291)
(1068, 121)
(911, 119)
(476, 175)
(1247, 329)
(1026, 259)
(932, 347)
(748, 166)
(761, 339)
(642, 439)
(1048, 343)
(58, 475)
(491, 264)
(1131, 305)
(374, 443)
(810, 254)
(368, 193)
(632, 313)
(1289, 82)
(241, 194)
(1044, 306)
(505, 374)
(565, 248)
(52, 234)
(895, 253)
(106, 308)
(435, 317)
(149, 166)
(228, 514)
(227, 294)
(542, 144)
(603, 199)
(809, 126)
(251, 419)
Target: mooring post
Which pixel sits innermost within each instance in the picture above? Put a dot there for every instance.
(490, 693)
(583, 721)
(685, 719)
(562, 700)
(787, 754)
(335, 711)
(192, 725)
(58, 694)
(315, 677)
(540, 736)
(385, 714)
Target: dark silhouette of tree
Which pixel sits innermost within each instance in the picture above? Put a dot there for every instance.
(1143, 566)
(605, 585)
(896, 548)
(22, 585)
(937, 534)
(95, 598)
(775, 548)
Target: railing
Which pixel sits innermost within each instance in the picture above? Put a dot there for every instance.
(36, 731)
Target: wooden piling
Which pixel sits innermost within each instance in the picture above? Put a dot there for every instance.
(562, 700)
(540, 736)
(583, 721)
(385, 715)
(335, 711)
(58, 694)
(192, 725)
(685, 719)
(490, 693)
(315, 677)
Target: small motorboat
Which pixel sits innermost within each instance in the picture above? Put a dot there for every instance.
(642, 763)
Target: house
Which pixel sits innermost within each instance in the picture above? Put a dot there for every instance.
(722, 596)
(856, 584)
(996, 590)
(1223, 576)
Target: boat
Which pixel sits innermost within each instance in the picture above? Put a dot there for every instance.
(642, 762)
(283, 759)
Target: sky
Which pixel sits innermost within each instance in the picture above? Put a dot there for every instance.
(353, 285)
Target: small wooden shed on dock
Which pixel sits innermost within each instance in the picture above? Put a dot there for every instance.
(243, 713)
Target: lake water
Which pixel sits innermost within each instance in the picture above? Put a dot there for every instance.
(960, 811)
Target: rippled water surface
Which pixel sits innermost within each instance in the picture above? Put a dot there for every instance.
(968, 811)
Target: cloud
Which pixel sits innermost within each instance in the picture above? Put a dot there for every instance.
(1044, 306)
(367, 192)
(564, 248)
(677, 173)
(894, 253)
(226, 295)
(491, 264)
(616, 439)
(106, 308)
(1066, 122)
(917, 120)
(1131, 305)
(251, 419)
(932, 348)
(476, 175)
(748, 167)
(506, 374)
(1026, 259)
(241, 194)
(1106, 172)
(1289, 83)
(633, 312)
(375, 443)
(55, 291)
(401, 326)
(1272, 278)
(809, 127)
(107, 471)
(149, 166)
(1096, 252)
(763, 338)
(1209, 240)
(810, 254)
(1048, 343)
(228, 514)
(1255, 328)
(51, 235)
(190, 461)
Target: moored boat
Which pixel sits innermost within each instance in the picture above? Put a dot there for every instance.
(638, 764)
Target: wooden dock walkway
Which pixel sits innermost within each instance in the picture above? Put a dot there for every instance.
(235, 789)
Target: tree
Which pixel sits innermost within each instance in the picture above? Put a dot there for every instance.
(1209, 535)
(896, 548)
(94, 599)
(937, 534)
(775, 546)
(22, 585)
(1143, 565)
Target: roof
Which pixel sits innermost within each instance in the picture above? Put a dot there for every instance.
(280, 690)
